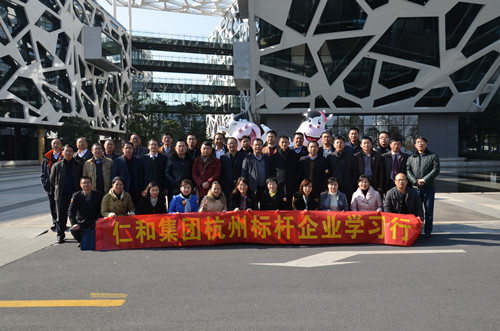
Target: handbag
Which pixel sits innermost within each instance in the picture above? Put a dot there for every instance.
(88, 240)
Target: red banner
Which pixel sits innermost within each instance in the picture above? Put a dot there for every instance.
(259, 227)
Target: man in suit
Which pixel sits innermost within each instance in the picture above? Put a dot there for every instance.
(127, 167)
(298, 145)
(327, 148)
(192, 151)
(314, 167)
(220, 147)
(285, 167)
(257, 168)
(395, 162)
(152, 167)
(98, 168)
(231, 164)
(82, 154)
(371, 163)
(139, 150)
(84, 209)
(343, 166)
(179, 167)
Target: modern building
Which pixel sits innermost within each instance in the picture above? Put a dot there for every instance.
(59, 59)
(405, 66)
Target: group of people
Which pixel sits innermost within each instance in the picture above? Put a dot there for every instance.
(236, 175)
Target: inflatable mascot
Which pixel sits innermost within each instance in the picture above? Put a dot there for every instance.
(313, 126)
(238, 126)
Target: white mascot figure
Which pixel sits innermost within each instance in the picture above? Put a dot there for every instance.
(313, 126)
(238, 126)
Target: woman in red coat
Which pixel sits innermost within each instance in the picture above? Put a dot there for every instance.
(206, 169)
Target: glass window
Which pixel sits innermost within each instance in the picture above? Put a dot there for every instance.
(406, 94)
(58, 101)
(88, 88)
(11, 109)
(89, 107)
(341, 102)
(376, 3)
(14, 18)
(25, 47)
(26, 90)
(51, 4)
(484, 36)
(359, 80)
(469, 77)
(411, 38)
(60, 79)
(267, 34)
(393, 75)
(62, 46)
(111, 50)
(437, 97)
(285, 87)
(320, 102)
(46, 59)
(335, 55)
(48, 22)
(301, 14)
(458, 21)
(296, 59)
(8, 66)
(341, 15)
(80, 12)
(420, 2)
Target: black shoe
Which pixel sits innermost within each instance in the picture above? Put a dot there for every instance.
(60, 240)
(427, 236)
(79, 245)
(53, 228)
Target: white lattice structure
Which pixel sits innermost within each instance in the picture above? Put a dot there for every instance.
(373, 56)
(199, 7)
(45, 75)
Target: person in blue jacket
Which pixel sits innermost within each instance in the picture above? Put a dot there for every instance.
(186, 201)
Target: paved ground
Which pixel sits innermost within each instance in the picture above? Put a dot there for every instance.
(449, 282)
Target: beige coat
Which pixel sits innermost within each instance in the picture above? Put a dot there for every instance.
(111, 204)
(213, 205)
(89, 169)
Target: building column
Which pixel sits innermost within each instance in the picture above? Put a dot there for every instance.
(441, 132)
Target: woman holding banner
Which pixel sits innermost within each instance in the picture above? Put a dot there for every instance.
(242, 198)
(152, 201)
(215, 200)
(304, 199)
(117, 202)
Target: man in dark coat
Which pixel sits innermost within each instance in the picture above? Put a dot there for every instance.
(152, 167)
(298, 145)
(257, 168)
(139, 150)
(231, 164)
(84, 209)
(395, 162)
(65, 178)
(49, 159)
(285, 167)
(371, 163)
(343, 166)
(192, 151)
(314, 167)
(403, 199)
(179, 167)
(83, 153)
(127, 167)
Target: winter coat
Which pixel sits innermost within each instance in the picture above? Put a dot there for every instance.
(371, 202)
(120, 206)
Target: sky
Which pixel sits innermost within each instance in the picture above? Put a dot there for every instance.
(164, 22)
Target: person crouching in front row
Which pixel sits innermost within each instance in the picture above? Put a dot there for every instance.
(185, 202)
(215, 200)
(304, 199)
(333, 199)
(272, 198)
(242, 198)
(152, 201)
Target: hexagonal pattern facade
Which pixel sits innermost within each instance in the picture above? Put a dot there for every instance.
(44, 77)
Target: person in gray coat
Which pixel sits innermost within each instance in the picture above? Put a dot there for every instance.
(403, 199)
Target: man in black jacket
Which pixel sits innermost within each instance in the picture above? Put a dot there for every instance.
(403, 199)
(49, 159)
(394, 162)
(231, 164)
(285, 167)
(152, 167)
(343, 166)
(315, 168)
(84, 209)
(179, 167)
(65, 178)
(371, 163)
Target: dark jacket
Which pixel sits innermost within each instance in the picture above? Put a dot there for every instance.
(193, 153)
(230, 171)
(266, 202)
(120, 169)
(146, 208)
(388, 162)
(85, 213)
(58, 175)
(235, 201)
(202, 172)
(140, 151)
(176, 171)
(344, 167)
(298, 202)
(87, 156)
(113, 156)
(350, 148)
(286, 168)
(425, 167)
(378, 169)
(320, 174)
(146, 171)
(324, 201)
(303, 151)
(47, 163)
(394, 200)
(250, 170)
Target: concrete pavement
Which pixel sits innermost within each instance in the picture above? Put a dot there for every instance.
(25, 220)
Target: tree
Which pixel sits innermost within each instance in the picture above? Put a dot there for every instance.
(74, 128)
